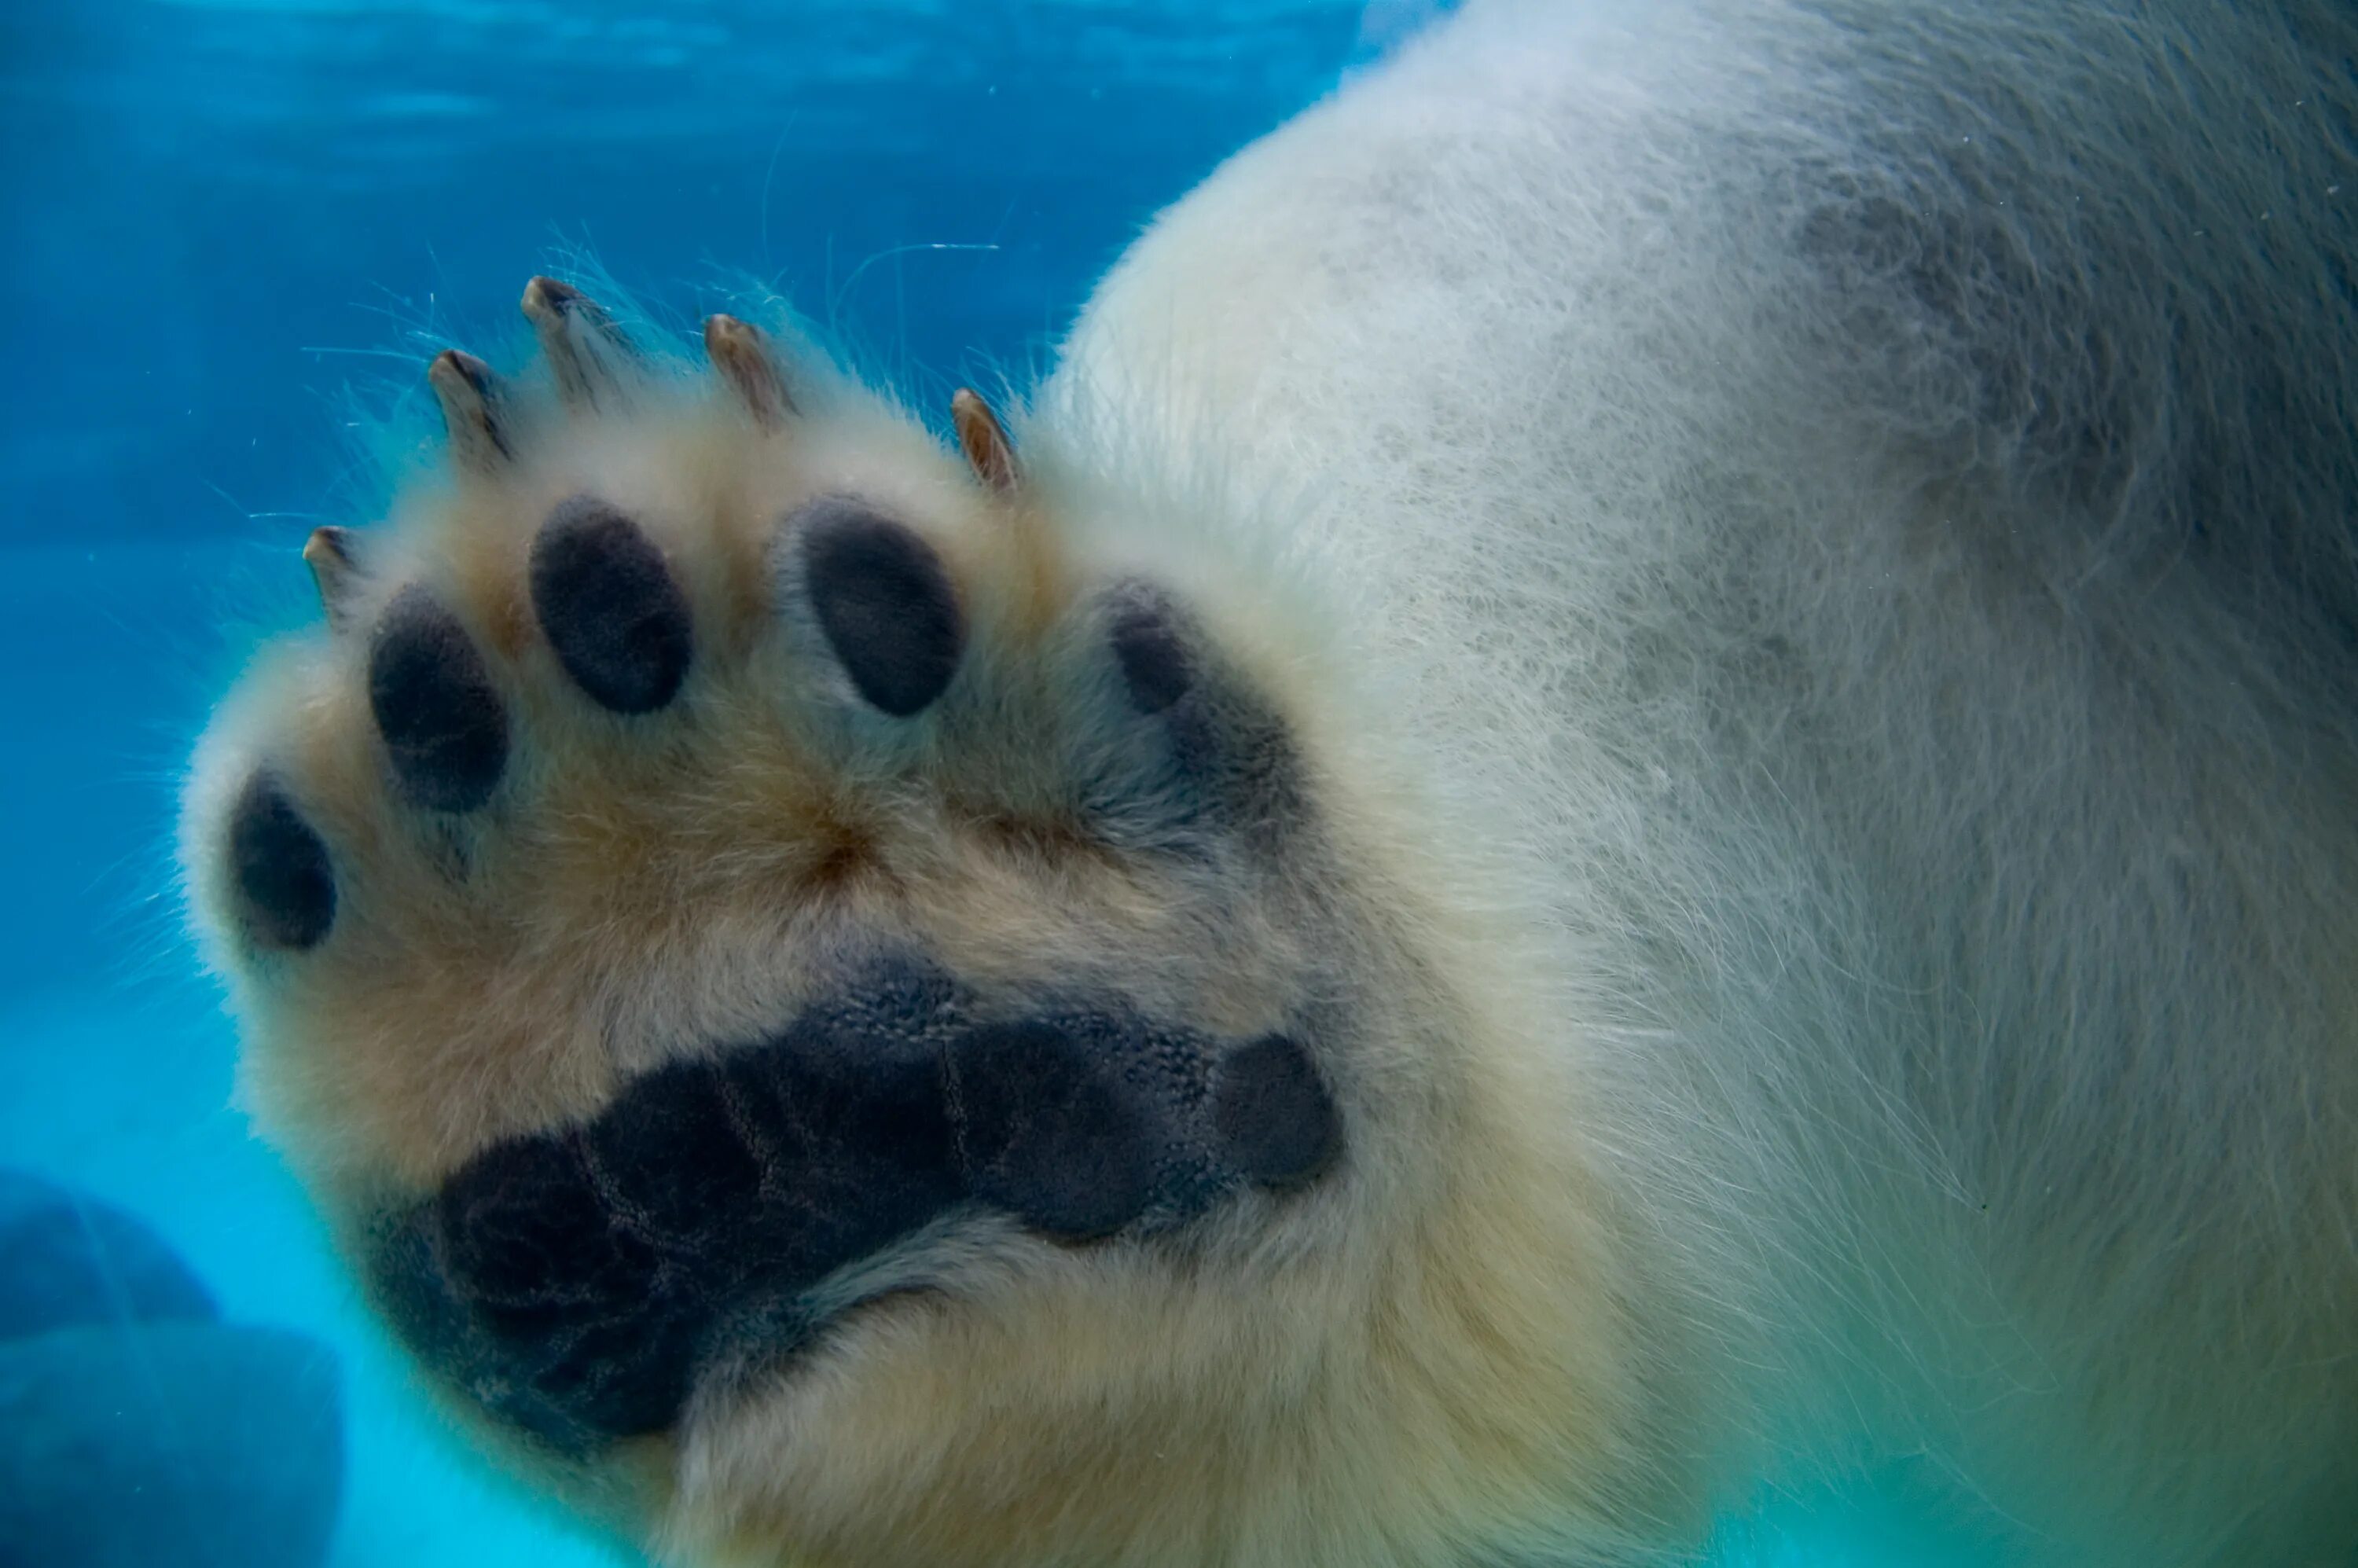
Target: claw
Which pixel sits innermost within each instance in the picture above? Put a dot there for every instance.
(982, 439)
(335, 569)
(587, 352)
(470, 396)
(741, 355)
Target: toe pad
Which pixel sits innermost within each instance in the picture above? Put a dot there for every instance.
(435, 704)
(886, 605)
(612, 612)
(284, 880)
(1274, 1120)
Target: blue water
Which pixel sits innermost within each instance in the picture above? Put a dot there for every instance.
(225, 217)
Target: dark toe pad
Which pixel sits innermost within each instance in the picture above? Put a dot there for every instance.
(281, 868)
(616, 620)
(1276, 1122)
(435, 704)
(886, 605)
(1153, 661)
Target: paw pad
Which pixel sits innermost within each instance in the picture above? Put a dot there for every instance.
(435, 704)
(608, 607)
(1273, 1117)
(883, 601)
(589, 1329)
(574, 1278)
(280, 868)
(1047, 1132)
(1153, 661)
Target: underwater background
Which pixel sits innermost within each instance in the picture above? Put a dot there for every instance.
(235, 231)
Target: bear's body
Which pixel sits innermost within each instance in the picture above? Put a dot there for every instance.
(1712, 853)
(1854, 504)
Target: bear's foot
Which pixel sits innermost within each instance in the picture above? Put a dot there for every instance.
(722, 849)
(860, 1000)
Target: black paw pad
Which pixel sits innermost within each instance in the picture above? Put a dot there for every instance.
(668, 1162)
(571, 1281)
(1047, 1132)
(526, 1230)
(588, 1329)
(844, 1114)
(1153, 660)
(281, 868)
(617, 620)
(885, 603)
(852, 1166)
(1272, 1113)
(435, 704)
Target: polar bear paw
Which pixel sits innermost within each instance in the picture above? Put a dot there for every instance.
(723, 844)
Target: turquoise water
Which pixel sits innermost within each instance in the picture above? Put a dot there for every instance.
(224, 221)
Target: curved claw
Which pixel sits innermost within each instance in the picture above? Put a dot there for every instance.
(471, 399)
(741, 354)
(984, 441)
(588, 356)
(335, 570)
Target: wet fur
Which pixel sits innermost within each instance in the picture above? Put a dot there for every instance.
(1804, 553)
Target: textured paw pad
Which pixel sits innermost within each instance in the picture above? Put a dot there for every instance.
(577, 1304)
(571, 1280)
(608, 607)
(885, 603)
(435, 704)
(717, 1192)
(1275, 1122)
(284, 880)
(1153, 660)
(672, 1163)
(1049, 1132)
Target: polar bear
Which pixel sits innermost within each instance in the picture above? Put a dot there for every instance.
(1634, 790)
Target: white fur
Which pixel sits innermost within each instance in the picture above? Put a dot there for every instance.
(1851, 503)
